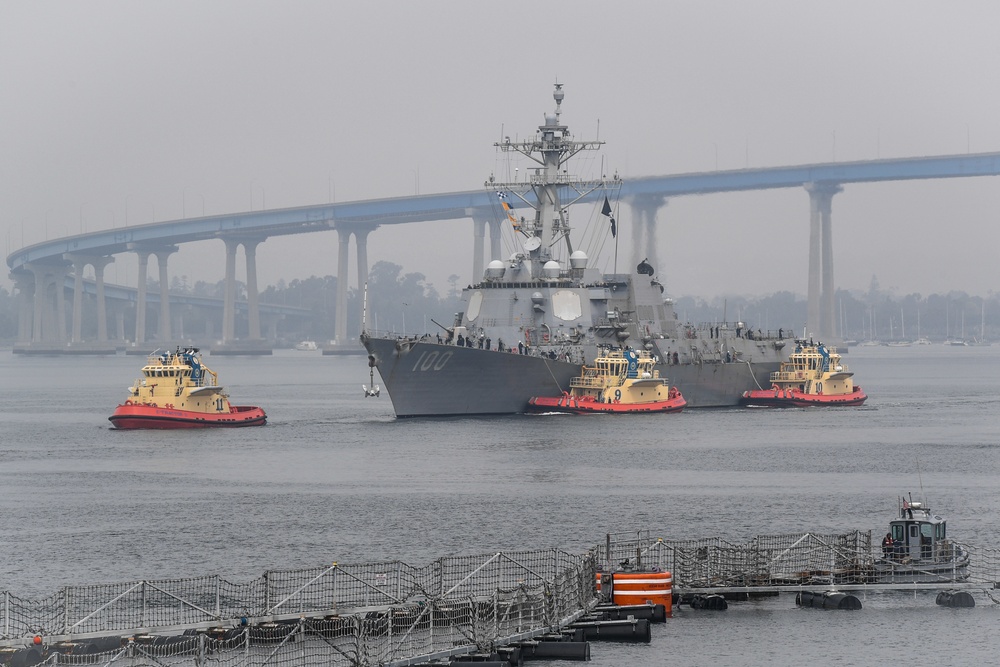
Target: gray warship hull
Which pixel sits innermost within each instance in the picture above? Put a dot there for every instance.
(429, 379)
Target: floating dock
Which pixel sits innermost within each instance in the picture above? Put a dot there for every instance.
(501, 608)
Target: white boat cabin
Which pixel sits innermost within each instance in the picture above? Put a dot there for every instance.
(917, 535)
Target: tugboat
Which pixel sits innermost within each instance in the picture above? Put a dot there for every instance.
(178, 391)
(532, 319)
(813, 375)
(917, 549)
(621, 381)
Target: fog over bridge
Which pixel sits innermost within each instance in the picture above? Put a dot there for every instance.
(40, 271)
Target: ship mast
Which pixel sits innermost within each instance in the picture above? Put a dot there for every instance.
(552, 147)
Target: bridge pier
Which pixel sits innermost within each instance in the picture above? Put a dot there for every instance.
(79, 263)
(48, 321)
(140, 298)
(25, 294)
(644, 209)
(495, 228)
(99, 264)
(161, 261)
(361, 242)
(478, 246)
(820, 319)
(229, 298)
(344, 233)
(479, 222)
(253, 297)
(343, 243)
(143, 252)
(249, 243)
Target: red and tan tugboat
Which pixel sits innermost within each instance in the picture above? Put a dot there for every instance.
(177, 391)
(812, 375)
(620, 381)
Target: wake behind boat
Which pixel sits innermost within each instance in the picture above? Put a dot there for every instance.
(535, 318)
(621, 381)
(812, 375)
(178, 391)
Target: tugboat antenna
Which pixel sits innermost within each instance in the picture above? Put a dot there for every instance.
(920, 479)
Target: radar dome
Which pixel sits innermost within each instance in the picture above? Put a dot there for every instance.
(551, 269)
(578, 260)
(495, 269)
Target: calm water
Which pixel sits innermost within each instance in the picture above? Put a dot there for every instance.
(334, 477)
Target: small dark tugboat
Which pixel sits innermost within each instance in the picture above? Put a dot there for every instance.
(917, 549)
(178, 391)
(812, 375)
(621, 381)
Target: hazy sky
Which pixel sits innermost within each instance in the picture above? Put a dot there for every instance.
(118, 111)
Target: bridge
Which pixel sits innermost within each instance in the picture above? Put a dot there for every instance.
(40, 270)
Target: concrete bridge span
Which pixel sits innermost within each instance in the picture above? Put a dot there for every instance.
(39, 271)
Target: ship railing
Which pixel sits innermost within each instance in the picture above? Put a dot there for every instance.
(589, 382)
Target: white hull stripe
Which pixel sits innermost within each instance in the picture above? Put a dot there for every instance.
(630, 582)
(642, 593)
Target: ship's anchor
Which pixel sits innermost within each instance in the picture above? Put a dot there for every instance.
(374, 391)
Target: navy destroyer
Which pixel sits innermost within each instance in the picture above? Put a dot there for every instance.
(533, 320)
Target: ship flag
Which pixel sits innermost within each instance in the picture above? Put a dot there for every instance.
(508, 209)
(607, 211)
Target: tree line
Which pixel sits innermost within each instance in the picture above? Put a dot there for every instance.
(406, 303)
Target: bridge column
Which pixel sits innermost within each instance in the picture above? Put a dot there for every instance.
(41, 287)
(79, 264)
(478, 247)
(495, 229)
(361, 241)
(644, 209)
(99, 263)
(59, 277)
(25, 286)
(253, 298)
(344, 240)
(229, 301)
(820, 312)
(140, 298)
(161, 262)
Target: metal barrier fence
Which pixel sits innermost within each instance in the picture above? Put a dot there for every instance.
(366, 614)
(772, 562)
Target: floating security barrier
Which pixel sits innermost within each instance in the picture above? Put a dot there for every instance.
(626, 630)
(955, 599)
(827, 600)
(655, 613)
(710, 602)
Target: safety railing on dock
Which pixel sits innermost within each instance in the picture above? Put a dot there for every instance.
(790, 562)
(364, 614)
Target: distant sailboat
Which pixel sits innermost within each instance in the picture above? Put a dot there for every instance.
(920, 339)
(872, 339)
(901, 341)
(960, 342)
